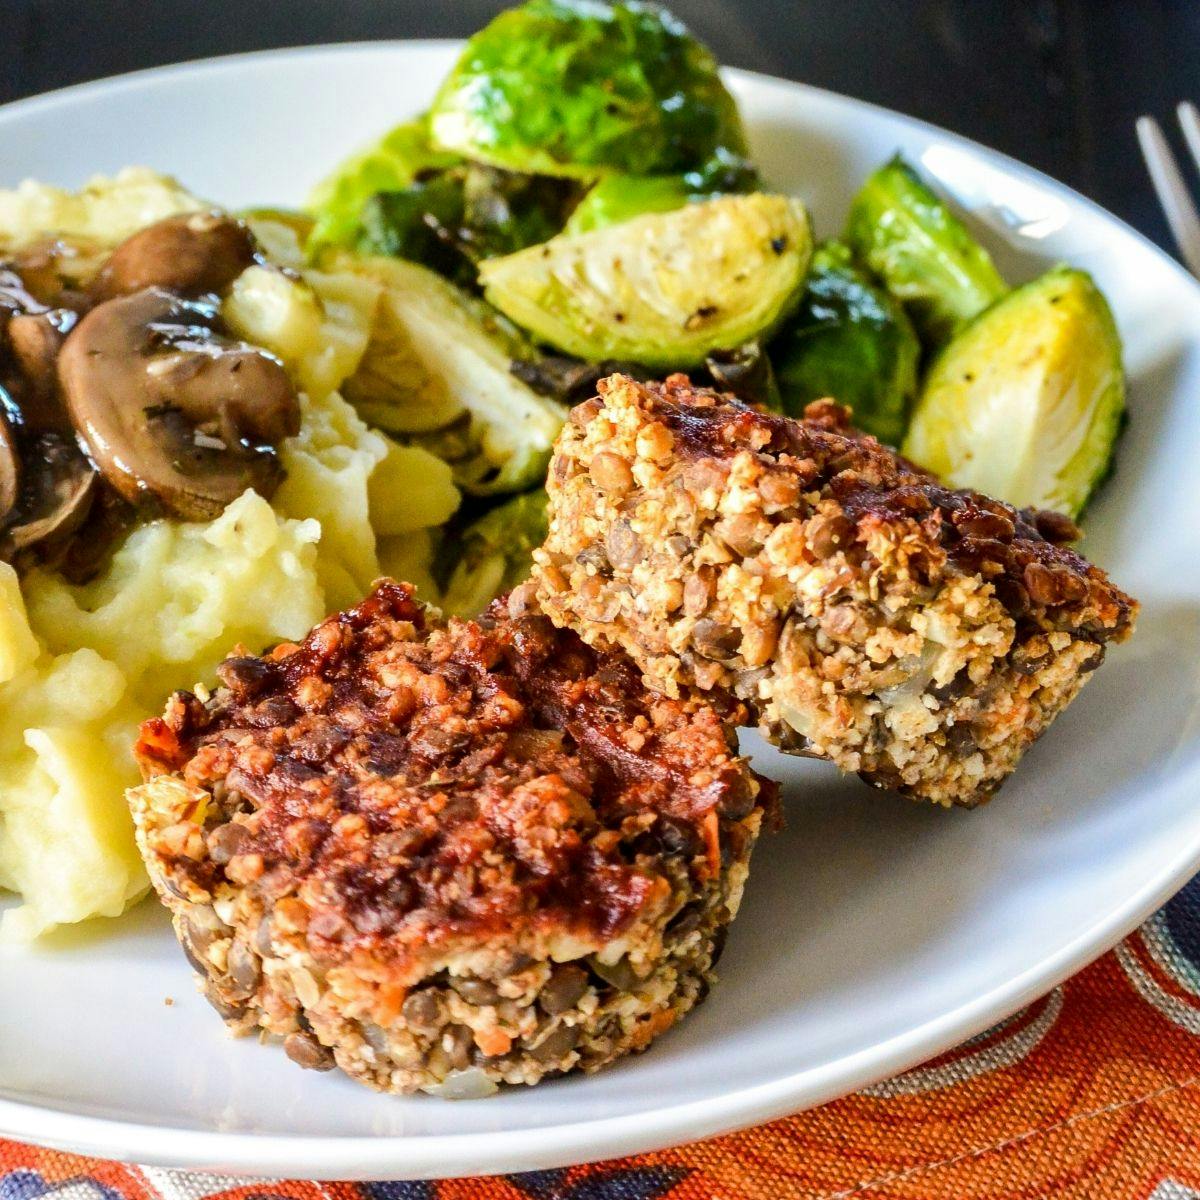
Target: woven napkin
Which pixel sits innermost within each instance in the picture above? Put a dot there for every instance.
(1089, 1094)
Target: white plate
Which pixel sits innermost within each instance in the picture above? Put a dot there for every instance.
(875, 932)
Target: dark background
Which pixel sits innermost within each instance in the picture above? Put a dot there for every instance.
(1056, 83)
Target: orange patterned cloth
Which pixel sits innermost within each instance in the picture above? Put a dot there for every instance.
(1092, 1093)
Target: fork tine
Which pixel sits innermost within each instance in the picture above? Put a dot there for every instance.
(1172, 191)
(1189, 122)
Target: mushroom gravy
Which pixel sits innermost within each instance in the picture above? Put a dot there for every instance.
(121, 393)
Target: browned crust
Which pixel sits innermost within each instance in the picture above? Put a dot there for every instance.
(808, 571)
(1021, 552)
(397, 807)
(419, 781)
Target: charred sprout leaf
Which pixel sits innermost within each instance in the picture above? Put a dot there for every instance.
(747, 373)
(420, 224)
(396, 161)
(850, 340)
(581, 88)
(437, 370)
(495, 553)
(1027, 402)
(664, 289)
(505, 211)
(725, 173)
(571, 380)
(452, 220)
(923, 253)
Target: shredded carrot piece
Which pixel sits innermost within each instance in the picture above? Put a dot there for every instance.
(493, 1041)
(390, 1001)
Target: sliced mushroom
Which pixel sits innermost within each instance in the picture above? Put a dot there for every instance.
(15, 296)
(170, 409)
(10, 469)
(58, 488)
(229, 390)
(34, 339)
(191, 254)
(52, 272)
(83, 556)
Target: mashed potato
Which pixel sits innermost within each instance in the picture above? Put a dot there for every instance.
(81, 665)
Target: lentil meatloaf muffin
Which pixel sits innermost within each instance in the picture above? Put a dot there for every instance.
(444, 857)
(921, 636)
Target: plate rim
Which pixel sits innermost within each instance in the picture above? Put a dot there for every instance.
(489, 1152)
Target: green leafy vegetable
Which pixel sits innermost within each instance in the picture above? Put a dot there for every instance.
(571, 380)
(1027, 402)
(505, 211)
(495, 553)
(617, 198)
(923, 253)
(395, 162)
(850, 340)
(747, 373)
(664, 289)
(437, 370)
(581, 88)
(460, 216)
(417, 224)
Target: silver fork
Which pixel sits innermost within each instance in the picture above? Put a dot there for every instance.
(1173, 193)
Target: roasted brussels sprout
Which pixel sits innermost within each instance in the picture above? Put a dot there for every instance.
(616, 198)
(436, 370)
(581, 88)
(665, 289)
(745, 372)
(495, 553)
(923, 253)
(850, 340)
(1027, 402)
(299, 223)
(505, 211)
(571, 380)
(452, 220)
(419, 223)
(396, 161)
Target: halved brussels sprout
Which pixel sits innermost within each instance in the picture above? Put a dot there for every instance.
(850, 340)
(418, 223)
(281, 233)
(664, 289)
(1027, 402)
(505, 211)
(437, 365)
(580, 88)
(495, 553)
(393, 163)
(922, 252)
(456, 217)
(616, 198)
